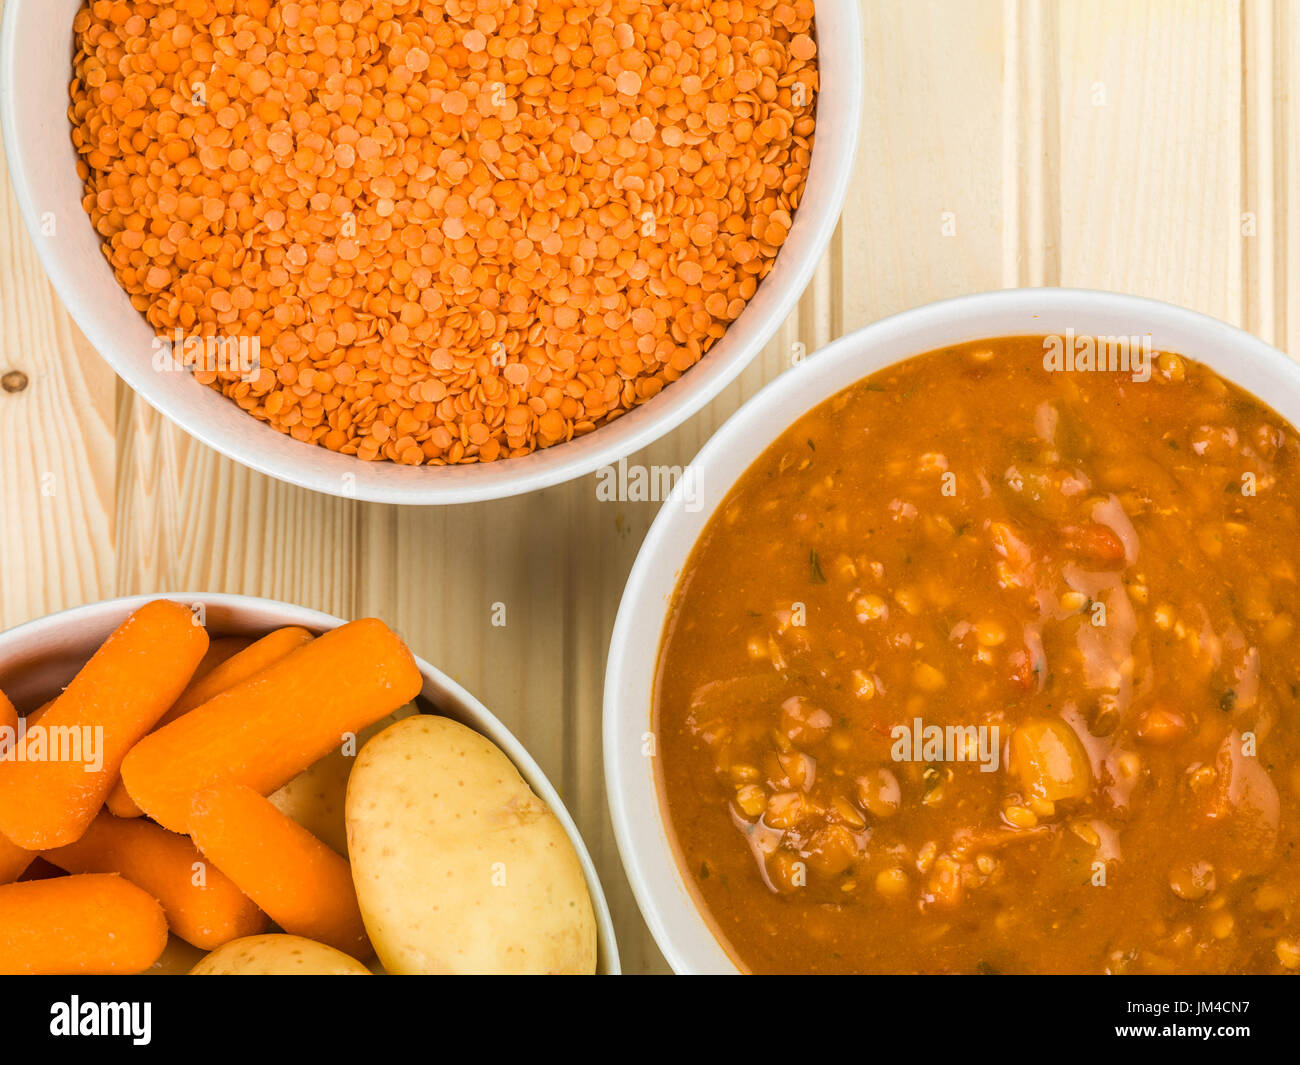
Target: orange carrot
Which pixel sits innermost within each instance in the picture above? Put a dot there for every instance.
(88, 925)
(14, 860)
(65, 765)
(247, 662)
(268, 729)
(239, 668)
(120, 804)
(221, 649)
(203, 906)
(304, 885)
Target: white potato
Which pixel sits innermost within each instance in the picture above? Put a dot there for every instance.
(278, 955)
(315, 797)
(177, 958)
(459, 867)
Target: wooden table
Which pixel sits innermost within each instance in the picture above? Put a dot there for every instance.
(1148, 146)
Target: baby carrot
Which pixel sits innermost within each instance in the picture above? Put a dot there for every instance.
(88, 925)
(120, 804)
(222, 649)
(48, 796)
(304, 885)
(247, 662)
(14, 860)
(202, 905)
(268, 729)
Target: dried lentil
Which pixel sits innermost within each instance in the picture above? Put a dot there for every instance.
(461, 230)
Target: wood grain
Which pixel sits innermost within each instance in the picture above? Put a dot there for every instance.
(1005, 142)
(57, 468)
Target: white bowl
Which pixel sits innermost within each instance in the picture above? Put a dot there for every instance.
(39, 658)
(35, 69)
(667, 900)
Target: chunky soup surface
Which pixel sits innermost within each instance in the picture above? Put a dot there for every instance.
(1085, 586)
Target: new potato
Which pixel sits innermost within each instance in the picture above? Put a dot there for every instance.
(177, 958)
(459, 867)
(315, 797)
(278, 955)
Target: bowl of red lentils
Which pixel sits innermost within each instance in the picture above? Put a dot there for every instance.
(429, 252)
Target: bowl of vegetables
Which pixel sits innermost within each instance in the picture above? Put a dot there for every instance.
(220, 783)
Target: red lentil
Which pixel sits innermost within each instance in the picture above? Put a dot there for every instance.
(460, 230)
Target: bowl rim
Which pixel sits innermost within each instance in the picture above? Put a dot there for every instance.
(422, 486)
(644, 841)
(468, 708)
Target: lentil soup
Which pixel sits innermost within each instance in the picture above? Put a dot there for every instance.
(982, 668)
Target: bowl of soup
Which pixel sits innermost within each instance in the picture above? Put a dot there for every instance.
(968, 647)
